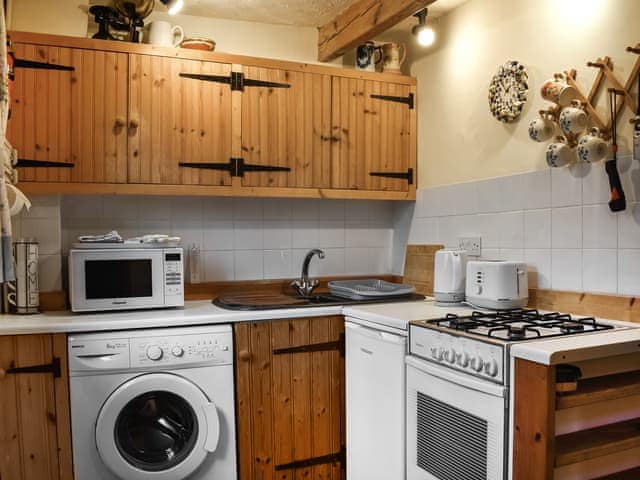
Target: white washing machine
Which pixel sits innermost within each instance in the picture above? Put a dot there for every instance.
(153, 404)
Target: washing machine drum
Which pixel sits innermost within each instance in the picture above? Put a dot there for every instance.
(156, 426)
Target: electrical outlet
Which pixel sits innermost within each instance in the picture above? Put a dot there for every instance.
(473, 245)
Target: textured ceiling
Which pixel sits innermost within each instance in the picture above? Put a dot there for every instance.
(309, 13)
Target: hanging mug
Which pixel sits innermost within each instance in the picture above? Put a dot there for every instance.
(163, 34)
(366, 57)
(393, 56)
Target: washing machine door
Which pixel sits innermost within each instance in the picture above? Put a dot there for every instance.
(156, 426)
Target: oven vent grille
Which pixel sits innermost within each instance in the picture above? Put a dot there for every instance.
(451, 443)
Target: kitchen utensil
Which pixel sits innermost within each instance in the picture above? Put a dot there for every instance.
(134, 12)
(557, 90)
(204, 44)
(368, 288)
(24, 295)
(559, 154)
(497, 284)
(162, 34)
(541, 129)
(449, 276)
(591, 147)
(636, 129)
(573, 120)
(393, 56)
(106, 18)
(366, 57)
(618, 202)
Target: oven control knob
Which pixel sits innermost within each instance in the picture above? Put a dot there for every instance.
(177, 351)
(450, 356)
(154, 353)
(477, 364)
(463, 360)
(437, 354)
(491, 368)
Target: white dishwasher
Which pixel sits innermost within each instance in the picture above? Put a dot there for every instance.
(376, 404)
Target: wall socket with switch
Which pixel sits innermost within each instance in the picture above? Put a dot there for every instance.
(473, 245)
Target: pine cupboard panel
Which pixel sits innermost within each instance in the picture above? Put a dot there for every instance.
(371, 135)
(173, 119)
(287, 127)
(34, 413)
(290, 405)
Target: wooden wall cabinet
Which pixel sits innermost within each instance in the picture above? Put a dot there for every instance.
(35, 426)
(291, 398)
(150, 120)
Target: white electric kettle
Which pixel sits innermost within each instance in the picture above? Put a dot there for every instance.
(450, 273)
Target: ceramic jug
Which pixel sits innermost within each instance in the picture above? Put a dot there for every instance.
(393, 56)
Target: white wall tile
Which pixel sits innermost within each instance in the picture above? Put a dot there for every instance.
(357, 210)
(186, 209)
(218, 266)
(44, 206)
(297, 258)
(448, 231)
(121, 207)
(277, 208)
(218, 235)
(331, 209)
(357, 261)
(630, 177)
(489, 228)
(490, 254)
(305, 209)
(379, 261)
(511, 190)
(424, 230)
(277, 235)
(331, 233)
(490, 198)
(511, 230)
(629, 227)
(539, 263)
(152, 208)
(190, 232)
(82, 206)
(566, 187)
(428, 203)
(537, 228)
(380, 211)
(277, 264)
(248, 234)
(46, 231)
(332, 264)
(600, 270)
(566, 270)
(536, 189)
(214, 208)
(305, 233)
(248, 264)
(380, 235)
(566, 227)
(629, 272)
(248, 209)
(512, 254)
(49, 273)
(595, 185)
(357, 234)
(600, 227)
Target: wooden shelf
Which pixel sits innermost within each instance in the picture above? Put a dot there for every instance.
(600, 389)
(597, 442)
(633, 474)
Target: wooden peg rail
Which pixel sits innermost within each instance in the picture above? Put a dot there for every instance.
(605, 72)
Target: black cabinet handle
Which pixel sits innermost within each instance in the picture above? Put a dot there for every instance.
(53, 367)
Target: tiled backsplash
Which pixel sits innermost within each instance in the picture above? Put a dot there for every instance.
(246, 238)
(556, 220)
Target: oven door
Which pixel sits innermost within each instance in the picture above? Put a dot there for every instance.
(455, 425)
(116, 280)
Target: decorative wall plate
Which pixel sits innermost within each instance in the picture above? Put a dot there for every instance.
(508, 91)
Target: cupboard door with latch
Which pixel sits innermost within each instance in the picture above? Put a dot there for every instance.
(290, 398)
(374, 124)
(286, 128)
(179, 127)
(35, 426)
(68, 114)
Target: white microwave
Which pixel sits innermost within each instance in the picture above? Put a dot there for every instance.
(125, 278)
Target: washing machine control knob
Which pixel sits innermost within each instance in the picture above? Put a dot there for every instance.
(177, 351)
(154, 352)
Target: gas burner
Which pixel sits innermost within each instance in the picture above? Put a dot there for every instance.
(516, 333)
(569, 327)
(462, 323)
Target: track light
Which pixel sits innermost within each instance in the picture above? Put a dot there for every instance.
(173, 6)
(424, 34)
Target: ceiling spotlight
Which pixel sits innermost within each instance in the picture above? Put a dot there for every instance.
(424, 33)
(173, 6)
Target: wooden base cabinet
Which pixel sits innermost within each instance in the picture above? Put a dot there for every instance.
(35, 426)
(290, 399)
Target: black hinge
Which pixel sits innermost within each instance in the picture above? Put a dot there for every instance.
(409, 100)
(314, 347)
(43, 164)
(236, 167)
(236, 80)
(338, 457)
(19, 63)
(408, 175)
(53, 367)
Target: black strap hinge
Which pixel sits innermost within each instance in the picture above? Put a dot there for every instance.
(24, 163)
(236, 80)
(338, 457)
(408, 175)
(409, 100)
(314, 347)
(53, 367)
(19, 63)
(236, 167)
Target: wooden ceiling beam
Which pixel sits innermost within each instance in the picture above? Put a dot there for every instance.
(362, 21)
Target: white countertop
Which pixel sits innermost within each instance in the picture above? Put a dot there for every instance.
(193, 313)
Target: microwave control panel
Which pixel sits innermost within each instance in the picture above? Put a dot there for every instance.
(173, 276)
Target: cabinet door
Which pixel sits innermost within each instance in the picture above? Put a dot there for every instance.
(75, 117)
(290, 399)
(175, 120)
(35, 428)
(375, 146)
(287, 127)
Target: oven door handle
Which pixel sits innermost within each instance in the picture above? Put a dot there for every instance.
(449, 375)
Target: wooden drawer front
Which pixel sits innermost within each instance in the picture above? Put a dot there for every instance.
(290, 405)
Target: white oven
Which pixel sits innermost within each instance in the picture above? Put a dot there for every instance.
(455, 424)
(125, 278)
